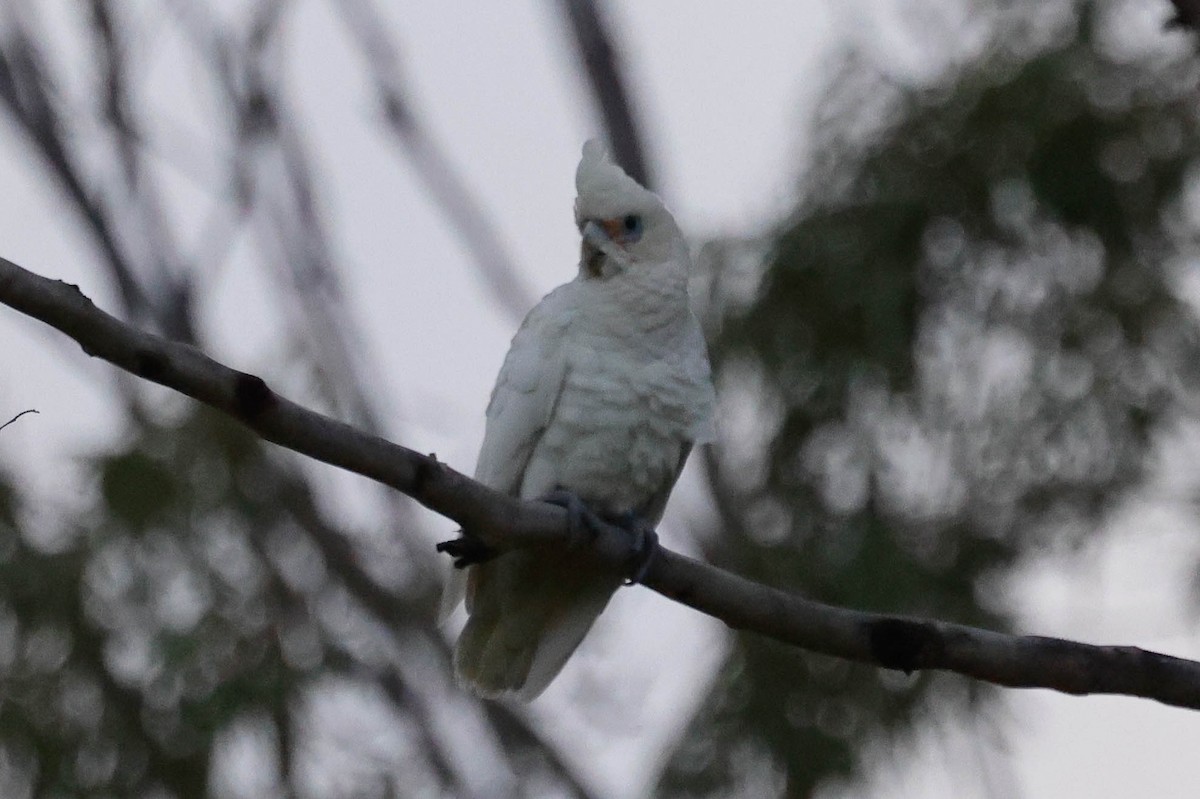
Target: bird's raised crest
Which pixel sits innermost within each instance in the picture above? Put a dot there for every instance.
(603, 189)
(594, 150)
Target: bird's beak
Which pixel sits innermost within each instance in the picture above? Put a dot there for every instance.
(595, 241)
(599, 233)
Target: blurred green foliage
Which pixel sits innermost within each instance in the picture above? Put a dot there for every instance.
(200, 590)
(956, 350)
(151, 626)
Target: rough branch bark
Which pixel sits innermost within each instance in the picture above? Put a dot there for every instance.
(501, 522)
(602, 66)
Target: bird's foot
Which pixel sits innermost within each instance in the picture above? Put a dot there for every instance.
(582, 522)
(585, 524)
(643, 545)
(466, 550)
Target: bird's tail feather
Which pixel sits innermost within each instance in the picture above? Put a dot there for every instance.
(454, 589)
(527, 617)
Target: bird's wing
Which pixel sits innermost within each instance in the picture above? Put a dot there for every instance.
(521, 406)
(702, 430)
(699, 374)
(653, 510)
(526, 392)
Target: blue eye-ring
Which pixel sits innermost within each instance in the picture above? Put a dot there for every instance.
(633, 227)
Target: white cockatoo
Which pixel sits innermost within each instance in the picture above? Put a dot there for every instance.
(602, 395)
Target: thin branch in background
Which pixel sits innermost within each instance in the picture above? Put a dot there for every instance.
(272, 184)
(342, 558)
(170, 296)
(606, 75)
(514, 732)
(270, 171)
(15, 418)
(25, 91)
(117, 209)
(291, 230)
(290, 186)
(447, 189)
(339, 658)
(293, 237)
(340, 661)
(502, 522)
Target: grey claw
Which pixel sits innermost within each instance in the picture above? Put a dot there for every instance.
(580, 518)
(466, 551)
(585, 525)
(645, 547)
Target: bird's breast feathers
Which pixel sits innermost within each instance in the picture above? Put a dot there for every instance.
(619, 427)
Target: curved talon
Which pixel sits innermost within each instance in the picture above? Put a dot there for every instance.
(645, 547)
(580, 518)
(643, 542)
(466, 551)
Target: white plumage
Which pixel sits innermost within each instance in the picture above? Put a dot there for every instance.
(603, 393)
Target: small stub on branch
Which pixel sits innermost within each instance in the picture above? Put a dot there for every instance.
(252, 397)
(902, 644)
(15, 418)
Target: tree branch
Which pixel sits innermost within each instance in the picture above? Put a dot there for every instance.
(502, 522)
(446, 188)
(600, 59)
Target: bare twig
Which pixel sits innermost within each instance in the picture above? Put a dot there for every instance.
(270, 170)
(25, 93)
(167, 289)
(15, 418)
(602, 66)
(502, 522)
(447, 189)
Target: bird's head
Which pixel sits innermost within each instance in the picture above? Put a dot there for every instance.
(624, 226)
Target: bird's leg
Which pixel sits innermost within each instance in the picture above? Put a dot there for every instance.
(582, 523)
(643, 545)
(466, 550)
(585, 524)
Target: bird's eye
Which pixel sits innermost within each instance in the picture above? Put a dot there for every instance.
(633, 227)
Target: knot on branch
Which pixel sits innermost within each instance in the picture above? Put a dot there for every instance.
(73, 288)
(251, 396)
(903, 644)
(149, 364)
(428, 470)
